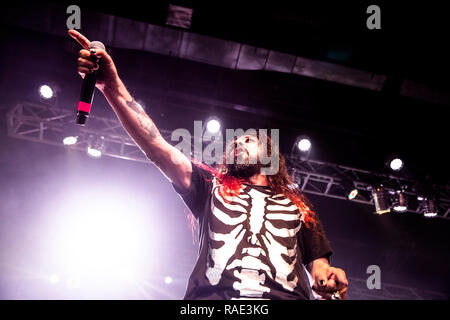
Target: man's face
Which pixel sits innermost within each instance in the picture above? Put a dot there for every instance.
(246, 151)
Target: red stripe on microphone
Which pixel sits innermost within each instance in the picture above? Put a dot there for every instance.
(83, 106)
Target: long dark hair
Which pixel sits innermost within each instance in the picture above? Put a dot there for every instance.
(280, 183)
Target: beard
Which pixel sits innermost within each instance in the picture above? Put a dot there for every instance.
(245, 170)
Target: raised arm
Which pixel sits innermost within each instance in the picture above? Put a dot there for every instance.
(174, 165)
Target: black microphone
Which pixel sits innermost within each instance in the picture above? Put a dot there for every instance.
(87, 90)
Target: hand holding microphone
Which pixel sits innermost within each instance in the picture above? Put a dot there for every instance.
(96, 68)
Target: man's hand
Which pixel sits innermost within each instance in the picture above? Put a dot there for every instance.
(89, 61)
(328, 280)
(136, 122)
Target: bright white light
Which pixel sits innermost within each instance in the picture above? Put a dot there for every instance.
(46, 92)
(400, 208)
(95, 153)
(71, 140)
(53, 279)
(102, 243)
(352, 195)
(396, 164)
(168, 280)
(304, 145)
(430, 214)
(213, 126)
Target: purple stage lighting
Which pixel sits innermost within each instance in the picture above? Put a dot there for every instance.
(304, 145)
(168, 280)
(213, 126)
(70, 140)
(46, 92)
(396, 164)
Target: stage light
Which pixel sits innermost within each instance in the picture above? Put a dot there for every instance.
(352, 195)
(301, 148)
(380, 200)
(94, 153)
(70, 140)
(396, 164)
(168, 280)
(213, 126)
(46, 92)
(96, 148)
(429, 207)
(304, 144)
(399, 201)
(351, 192)
(102, 243)
(72, 135)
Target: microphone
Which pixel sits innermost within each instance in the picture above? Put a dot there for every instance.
(87, 90)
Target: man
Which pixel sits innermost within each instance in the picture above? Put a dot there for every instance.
(256, 232)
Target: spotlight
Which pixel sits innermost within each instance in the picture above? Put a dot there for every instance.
(213, 126)
(96, 148)
(399, 201)
(396, 164)
(381, 200)
(71, 134)
(70, 140)
(94, 153)
(301, 148)
(46, 91)
(349, 187)
(168, 280)
(429, 207)
(352, 195)
(304, 144)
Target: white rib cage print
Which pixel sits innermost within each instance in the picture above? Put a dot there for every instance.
(251, 239)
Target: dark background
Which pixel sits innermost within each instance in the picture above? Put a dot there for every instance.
(348, 125)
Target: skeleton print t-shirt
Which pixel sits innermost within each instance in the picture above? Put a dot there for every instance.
(253, 246)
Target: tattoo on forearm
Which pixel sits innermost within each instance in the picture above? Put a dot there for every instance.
(144, 120)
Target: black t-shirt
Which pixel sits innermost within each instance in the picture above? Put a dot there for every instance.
(252, 247)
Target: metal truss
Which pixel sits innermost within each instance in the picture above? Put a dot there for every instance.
(48, 124)
(336, 181)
